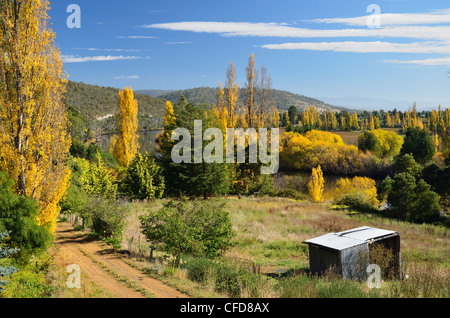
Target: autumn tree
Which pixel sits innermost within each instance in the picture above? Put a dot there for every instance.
(125, 144)
(250, 92)
(316, 185)
(231, 95)
(170, 124)
(33, 120)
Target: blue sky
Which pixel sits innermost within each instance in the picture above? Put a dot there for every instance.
(324, 48)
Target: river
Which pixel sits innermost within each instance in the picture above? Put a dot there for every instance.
(148, 143)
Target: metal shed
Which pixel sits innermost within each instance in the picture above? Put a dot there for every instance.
(348, 253)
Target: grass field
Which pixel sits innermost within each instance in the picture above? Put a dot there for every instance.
(269, 236)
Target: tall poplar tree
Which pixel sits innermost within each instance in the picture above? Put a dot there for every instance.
(33, 122)
(125, 145)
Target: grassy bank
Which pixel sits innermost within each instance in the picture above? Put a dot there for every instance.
(268, 258)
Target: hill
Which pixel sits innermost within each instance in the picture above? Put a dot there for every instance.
(282, 99)
(96, 103)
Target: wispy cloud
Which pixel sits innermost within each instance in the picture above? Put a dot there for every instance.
(443, 61)
(435, 17)
(136, 37)
(109, 50)
(122, 77)
(365, 47)
(230, 29)
(102, 58)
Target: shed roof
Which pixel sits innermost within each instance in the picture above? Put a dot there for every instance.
(346, 239)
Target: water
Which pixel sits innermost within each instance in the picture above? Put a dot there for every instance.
(148, 143)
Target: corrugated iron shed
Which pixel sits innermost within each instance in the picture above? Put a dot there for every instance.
(342, 251)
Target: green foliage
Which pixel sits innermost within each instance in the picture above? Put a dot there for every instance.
(385, 144)
(18, 215)
(406, 163)
(143, 179)
(194, 179)
(194, 228)
(412, 201)
(90, 102)
(367, 141)
(4, 253)
(418, 143)
(95, 178)
(106, 217)
(263, 185)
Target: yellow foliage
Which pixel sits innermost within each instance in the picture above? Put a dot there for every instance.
(361, 187)
(316, 185)
(125, 145)
(33, 120)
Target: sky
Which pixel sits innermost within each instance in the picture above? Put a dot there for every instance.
(367, 54)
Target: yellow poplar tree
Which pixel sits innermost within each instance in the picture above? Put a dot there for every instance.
(316, 185)
(125, 144)
(165, 139)
(33, 122)
(250, 91)
(231, 95)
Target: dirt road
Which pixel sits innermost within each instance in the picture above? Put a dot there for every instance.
(101, 264)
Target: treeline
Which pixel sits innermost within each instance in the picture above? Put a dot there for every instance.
(437, 121)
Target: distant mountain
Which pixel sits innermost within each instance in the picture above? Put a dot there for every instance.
(153, 92)
(283, 99)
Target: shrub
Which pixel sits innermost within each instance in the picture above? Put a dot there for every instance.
(199, 269)
(418, 143)
(359, 193)
(18, 215)
(411, 201)
(194, 228)
(106, 217)
(143, 179)
(5, 252)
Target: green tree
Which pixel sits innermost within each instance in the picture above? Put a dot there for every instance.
(143, 179)
(418, 143)
(18, 215)
(406, 163)
(195, 228)
(367, 141)
(201, 179)
(411, 201)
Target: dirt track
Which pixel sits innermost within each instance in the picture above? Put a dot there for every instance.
(103, 266)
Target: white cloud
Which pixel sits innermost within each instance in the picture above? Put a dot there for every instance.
(436, 17)
(80, 59)
(281, 30)
(427, 62)
(365, 47)
(136, 37)
(121, 77)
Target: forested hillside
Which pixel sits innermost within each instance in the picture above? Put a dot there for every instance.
(95, 103)
(283, 99)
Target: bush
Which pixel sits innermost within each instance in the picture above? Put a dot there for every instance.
(106, 217)
(143, 179)
(194, 228)
(419, 144)
(18, 215)
(360, 193)
(411, 201)
(5, 252)
(199, 269)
